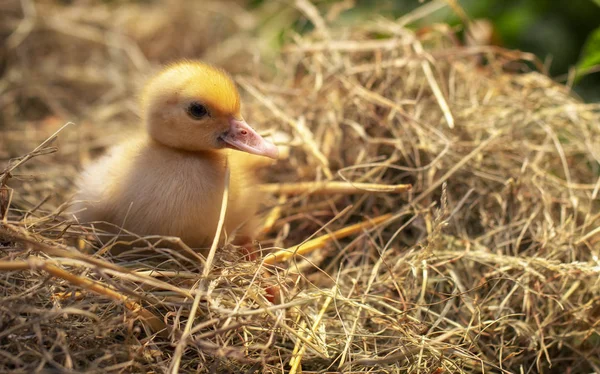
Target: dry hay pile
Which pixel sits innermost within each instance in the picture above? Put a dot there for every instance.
(489, 264)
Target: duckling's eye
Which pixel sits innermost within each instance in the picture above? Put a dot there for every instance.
(197, 111)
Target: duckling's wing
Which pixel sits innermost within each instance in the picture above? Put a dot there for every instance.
(98, 181)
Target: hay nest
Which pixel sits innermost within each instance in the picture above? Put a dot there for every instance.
(489, 264)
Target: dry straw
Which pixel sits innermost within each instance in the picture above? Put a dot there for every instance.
(488, 264)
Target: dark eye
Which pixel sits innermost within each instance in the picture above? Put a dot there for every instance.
(197, 110)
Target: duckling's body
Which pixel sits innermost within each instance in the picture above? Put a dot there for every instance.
(150, 189)
(170, 182)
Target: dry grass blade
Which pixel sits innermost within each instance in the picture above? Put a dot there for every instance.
(213, 248)
(435, 87)
(332, 188)
(314, 244)
(201, 286)
(297, 362)
(39, 150)
(273, 216)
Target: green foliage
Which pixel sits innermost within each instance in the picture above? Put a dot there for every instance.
(590, 56)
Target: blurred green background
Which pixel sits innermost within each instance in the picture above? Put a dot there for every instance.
(559, 32)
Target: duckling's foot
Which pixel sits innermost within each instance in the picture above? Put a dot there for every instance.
(247, 248)
(252, 253)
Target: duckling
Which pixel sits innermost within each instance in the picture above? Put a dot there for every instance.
(169, 180)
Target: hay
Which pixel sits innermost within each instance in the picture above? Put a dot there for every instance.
(489, 264)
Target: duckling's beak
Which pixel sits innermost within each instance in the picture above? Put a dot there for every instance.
(242, 137)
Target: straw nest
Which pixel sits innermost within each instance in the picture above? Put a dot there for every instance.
(488, 264)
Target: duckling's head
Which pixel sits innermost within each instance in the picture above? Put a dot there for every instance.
(196, 107)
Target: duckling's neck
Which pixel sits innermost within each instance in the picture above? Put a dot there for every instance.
(215, 154)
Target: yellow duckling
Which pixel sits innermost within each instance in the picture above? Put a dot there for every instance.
(170, 180)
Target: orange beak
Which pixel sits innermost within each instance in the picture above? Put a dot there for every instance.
(242, 137)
